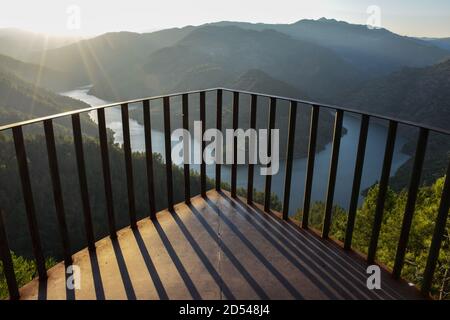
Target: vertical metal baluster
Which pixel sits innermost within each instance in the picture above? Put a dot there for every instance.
(128, 165)
(57, 193)
(235, 126)
(22, 162)
(187, 155)
(439, 229)
(219, 127)
(6, 259)
(289, 158)
(310, 165)
(106, 172)
(251, 166)
(81, 168)
(203, 145)
(168, 153)
(149, 158)
(410, 202)
(333, 170)
(359, 164)
(271, 125)
(383, 187)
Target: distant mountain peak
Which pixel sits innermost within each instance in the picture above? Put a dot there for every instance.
(322, 20)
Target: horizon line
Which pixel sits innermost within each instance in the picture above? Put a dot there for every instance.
(157, 29)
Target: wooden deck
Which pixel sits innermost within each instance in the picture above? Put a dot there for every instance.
(217, 248)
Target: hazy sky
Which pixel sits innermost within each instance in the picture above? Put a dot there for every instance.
(407, 17)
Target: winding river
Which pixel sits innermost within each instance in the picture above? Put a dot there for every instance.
(372, 166)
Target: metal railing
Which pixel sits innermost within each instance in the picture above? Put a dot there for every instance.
(27, 192)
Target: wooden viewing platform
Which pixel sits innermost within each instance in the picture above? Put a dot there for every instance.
(217, 248)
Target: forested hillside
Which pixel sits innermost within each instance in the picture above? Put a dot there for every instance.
(423, 225)
(20, 101)
(421, 95)
(415, 94)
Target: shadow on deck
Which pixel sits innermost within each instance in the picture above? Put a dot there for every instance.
(217, 248)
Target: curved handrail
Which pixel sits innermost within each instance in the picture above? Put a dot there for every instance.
(313, 103)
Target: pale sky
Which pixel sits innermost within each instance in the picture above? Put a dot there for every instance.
(407, 17)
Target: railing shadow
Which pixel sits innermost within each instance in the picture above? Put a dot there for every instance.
(176, 261)
(204, 259)
(227, 251)
(312, 270)
(259, 255)
(333, 272)
(303, 257)
(129, 290)
(96, 276)
(150, 265)
(311, 251)
(349, 263)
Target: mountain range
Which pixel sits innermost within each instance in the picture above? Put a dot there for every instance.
(373, 51)
(323, 60)
(100, 58)
(212, 55)
(20, 100)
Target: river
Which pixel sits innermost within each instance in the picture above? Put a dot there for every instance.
(372, 167)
